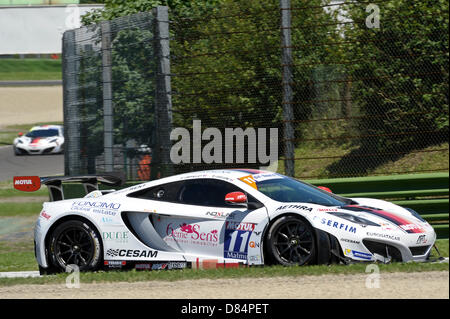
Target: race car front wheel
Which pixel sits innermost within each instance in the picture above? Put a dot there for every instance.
(76, 243)
(290, 241)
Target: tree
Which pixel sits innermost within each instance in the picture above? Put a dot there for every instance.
(400, 80)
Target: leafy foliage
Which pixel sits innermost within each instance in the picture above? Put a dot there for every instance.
(381, 92)
(400, 80)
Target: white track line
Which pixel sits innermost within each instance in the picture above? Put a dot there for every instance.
(19, 274)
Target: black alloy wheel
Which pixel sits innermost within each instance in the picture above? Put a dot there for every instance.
(290, 241)
(75, 243)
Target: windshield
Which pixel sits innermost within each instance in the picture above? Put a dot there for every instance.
(290, 190)
(43, 133)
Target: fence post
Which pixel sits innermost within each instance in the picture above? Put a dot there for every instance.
(286, 61)
(70, 109)
(107, 95)
(163, 99)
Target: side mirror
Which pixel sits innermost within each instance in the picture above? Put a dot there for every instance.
(325, 189)
(238, 198)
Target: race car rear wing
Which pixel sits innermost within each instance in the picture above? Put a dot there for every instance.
(55, 183)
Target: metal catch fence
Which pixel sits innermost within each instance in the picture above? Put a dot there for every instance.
(350, 86)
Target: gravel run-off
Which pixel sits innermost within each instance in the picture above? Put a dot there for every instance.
(419, 285)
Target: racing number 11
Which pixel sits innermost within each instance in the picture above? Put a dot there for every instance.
(244, 237)
(236, 244)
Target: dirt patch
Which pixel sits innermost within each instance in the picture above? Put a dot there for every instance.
(27, 199)
(13, 229)
(421, 285)
(25, 105)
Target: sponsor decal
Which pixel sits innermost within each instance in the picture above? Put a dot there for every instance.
(337, 225)
(107, 220)
(27, 183)
(104, 208)
(159, 266)
(191, 234)
(422, 239)
(177, 265)
(236, 197)
(117, 237)
(137, 253)
(255, 258)
(386, 226)
(301, 207)
(412, 227)
(351, 241)
(240, 226)
(327, 210)
(162, 266)
(386, 236)
(253, 244)
(249, 180)
(132, 188)
(143, 266)
(45, 215)
(115, 263)
(358, 254)
(219, 214)
(361, 255)
(94, 194)
(236, 240)
(266, 176)
(89, 204)
(111, 221)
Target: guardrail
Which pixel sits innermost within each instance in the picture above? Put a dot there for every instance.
(425, 193)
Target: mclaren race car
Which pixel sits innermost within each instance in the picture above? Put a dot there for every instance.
(219, 218)
(45, 139)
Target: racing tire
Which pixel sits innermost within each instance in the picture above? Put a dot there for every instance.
(290, 241)
(75, 242)
(17, 152)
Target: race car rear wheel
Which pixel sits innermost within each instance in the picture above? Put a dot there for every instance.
(75, 242)
(290, 241)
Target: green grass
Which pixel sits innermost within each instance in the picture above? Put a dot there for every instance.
(30, 69)
(429, 159)
(20, 209)
(7, 193)
(312, 160)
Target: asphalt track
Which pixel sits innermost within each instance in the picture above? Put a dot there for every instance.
(28, 165)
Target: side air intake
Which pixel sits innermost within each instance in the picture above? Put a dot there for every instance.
(140, 225)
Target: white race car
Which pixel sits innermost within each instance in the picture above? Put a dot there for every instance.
(45, 139)
(220, 218)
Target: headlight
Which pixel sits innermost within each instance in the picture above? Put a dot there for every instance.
(53, 140)
(355, 219)
(19, 141)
